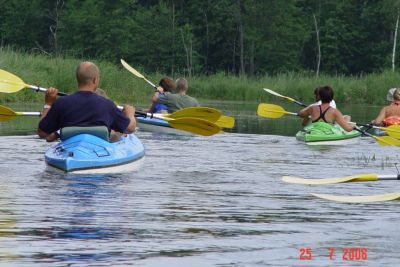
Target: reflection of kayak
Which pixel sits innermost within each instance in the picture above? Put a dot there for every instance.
(86, 152)
(158, 126)
(321, 133)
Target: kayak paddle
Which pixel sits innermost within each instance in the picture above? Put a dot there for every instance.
(8, 114)
(367, 177)
(136, 73)
(204, 113)
(285, 97)
(272, 111)
(223, 121)
(180, 121)
(9, 83)
(193, 125)
(382, 140)
(392, 130)
(360, 199)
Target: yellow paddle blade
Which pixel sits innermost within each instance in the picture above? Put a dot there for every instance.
(271, 111)
(225, 122)
(7, 114)
(386, 140)
(209, 114)
(360, 199)
(132, 70)
(392, 130)
(194, 125)
(9, 83)
(353, 178)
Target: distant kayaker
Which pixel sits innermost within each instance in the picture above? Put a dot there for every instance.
(324, 112)
(389, 95)
(83, 108)
(180, 100)
(166, 86)
(390, 114)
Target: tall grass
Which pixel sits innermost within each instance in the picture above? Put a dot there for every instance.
(365, 89)
(123, 87)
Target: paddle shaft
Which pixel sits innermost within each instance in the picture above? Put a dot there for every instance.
(386, 129)
(151, 115)
(43, 90)
(28, 113)
(136, 73)
(37, 113)
(286, 97)
(388, 177)
(299, 103)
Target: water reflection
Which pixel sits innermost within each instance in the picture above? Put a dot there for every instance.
(197, 201)
(84, 208)
(246, 119)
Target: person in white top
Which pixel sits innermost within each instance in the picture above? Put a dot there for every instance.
(319, 102)
(389, 96)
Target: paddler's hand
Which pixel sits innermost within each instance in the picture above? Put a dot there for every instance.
(50, 96)
(129, 111)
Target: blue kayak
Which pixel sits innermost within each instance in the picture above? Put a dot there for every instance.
(156, 125)
(92, 153)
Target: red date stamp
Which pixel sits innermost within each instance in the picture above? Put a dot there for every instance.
(345, 254)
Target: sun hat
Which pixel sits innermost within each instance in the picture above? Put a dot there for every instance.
(389, 96)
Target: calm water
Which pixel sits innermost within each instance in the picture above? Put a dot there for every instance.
(196, 201)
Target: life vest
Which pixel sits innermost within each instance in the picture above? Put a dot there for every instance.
(392, 120)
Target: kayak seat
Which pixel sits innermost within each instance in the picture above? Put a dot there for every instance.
(99, 131)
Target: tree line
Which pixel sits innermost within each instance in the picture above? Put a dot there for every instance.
(202, 37)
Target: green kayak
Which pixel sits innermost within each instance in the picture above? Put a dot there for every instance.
(321, 133)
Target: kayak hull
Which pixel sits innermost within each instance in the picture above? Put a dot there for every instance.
(90, 154)
(321, 133)
(158, 126)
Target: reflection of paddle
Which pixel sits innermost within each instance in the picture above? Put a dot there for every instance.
(223, 121)
(272, 111)
(193, 125)
(285, 97)
(360, 199)
(368, 177)
(9, 83)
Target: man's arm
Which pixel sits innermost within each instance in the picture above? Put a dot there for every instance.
(381, 116)
(129, 112)
(342, 121)
(305, 112)
(50, 98)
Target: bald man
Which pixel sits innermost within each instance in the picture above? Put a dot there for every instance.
(83, 108)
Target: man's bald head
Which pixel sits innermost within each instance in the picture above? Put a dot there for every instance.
(87, 73)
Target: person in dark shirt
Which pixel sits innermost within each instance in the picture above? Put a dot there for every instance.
(83, 108)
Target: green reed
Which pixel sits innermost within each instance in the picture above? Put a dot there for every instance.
(123, 87)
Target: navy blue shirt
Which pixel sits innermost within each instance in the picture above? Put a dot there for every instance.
(84, 108)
